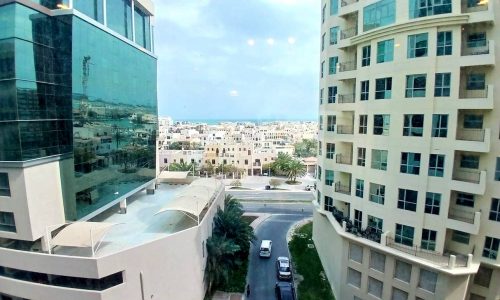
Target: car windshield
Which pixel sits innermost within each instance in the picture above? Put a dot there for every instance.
(284, 269)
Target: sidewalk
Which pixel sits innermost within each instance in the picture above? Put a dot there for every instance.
(228, 296)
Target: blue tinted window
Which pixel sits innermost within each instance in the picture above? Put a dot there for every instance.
(119, 16)
(417, 45)
(332, 65)
(334, 7)
(385, 51)
(379, 14)
(424, 8)
(92, 8)
(142, 29)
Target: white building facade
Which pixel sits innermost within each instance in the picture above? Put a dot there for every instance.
(409, 160)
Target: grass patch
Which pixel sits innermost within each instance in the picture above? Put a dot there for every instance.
(307, 263)
(237, 279)
(249, 219)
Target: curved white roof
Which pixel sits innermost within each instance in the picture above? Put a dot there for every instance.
(81, 234)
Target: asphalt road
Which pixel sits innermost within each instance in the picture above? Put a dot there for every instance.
(262, 271)
(272, 195)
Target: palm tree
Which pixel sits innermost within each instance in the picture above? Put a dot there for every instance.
(182, 167)
(220, 260)
(295, 168)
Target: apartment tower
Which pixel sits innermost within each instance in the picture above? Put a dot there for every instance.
(408, 200)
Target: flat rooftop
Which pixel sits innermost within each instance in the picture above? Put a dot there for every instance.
(138, 225)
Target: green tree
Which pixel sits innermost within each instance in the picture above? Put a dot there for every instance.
(295, 169)
(220, 260)
(207, 168)
(306, 148)
(183, 167)
(175, 146)
(275, 183)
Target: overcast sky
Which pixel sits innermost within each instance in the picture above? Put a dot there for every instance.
(238, 59)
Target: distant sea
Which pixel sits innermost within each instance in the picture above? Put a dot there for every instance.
(256, 121)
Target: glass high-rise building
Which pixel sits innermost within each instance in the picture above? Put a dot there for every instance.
(78, 114)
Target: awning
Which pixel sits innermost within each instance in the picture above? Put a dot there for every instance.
(81, 234)
(193, 198)
(173, 175)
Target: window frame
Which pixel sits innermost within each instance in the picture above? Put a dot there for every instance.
(439, 126)
(432, 203)
(444, 43)
(378, 161)
(366, 52)
(381, 129)
(363, 124)
(416, 85)
(360, 188)
(418, 45)
(410, 163)
(383, 88)
(364, 93)
(436, 165)
(401, 234)
(410, 125)
(407, 199)
(442, 84)
(385, 51)
(377, 193)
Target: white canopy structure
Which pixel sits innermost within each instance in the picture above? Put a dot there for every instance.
(194, 198)
(82, 235)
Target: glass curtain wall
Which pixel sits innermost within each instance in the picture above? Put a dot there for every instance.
(92, 8)
(119, 16)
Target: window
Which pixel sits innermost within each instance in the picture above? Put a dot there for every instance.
(483, 276)
(477, 39)
(495, 210)
(428, 239)
(330, 150)
(377, 261)
(375, 223)
(375, 287)
(334, 35)
(442, 86)
(460, 237)
(436, 165)
(353, 277)
(360, 187)
(330, 123)
(432, 203)
(377, 193)
(407, 199)
(427, 280)
(358, 218)
(328, 203)
(383, 88)
(329, 177)
(379, 159)
(321, 96)
(476, 81)
(415, 86)
(322, 68)
(398, 294)
(381, 124)
(323, 12)
(469, 161)
(385, 51)
(404, 234)
(439, 125)
(465, 199)
(356, 253)
(4, 185)
(361, 156)
(410, 163)
(402, 271)
(413, 125)
(319, 172)
(417, 45)
(366, 51)
(323, 41)
(332, 94)
(473, 121)
(363, 124)
(7, 222)
(320, 121)
(491, 247)
(379, 14)
(320, 149)
(497, 170)
(334, 7)
(444, 43)
(365, 90)
(332, 65)
(419, 8)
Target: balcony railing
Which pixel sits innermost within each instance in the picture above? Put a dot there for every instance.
(342, 188)
(467, 134)
(468, 94)
(461, 215)
(343, 129)
(433, 256)
(343, 159)
(467, 176)
(347, 98)
(347, 66)
(347, 2)
(478, 50)
(348, 33)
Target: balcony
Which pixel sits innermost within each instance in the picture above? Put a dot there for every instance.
(342, 188)
(347, 66)
(467, 134)
(348, 32)
(473, 140)
(478, 56)
(468, 8)
(343, 159)
(347, 2)
(463, 220)
(344, 129)
(469, 181)
(477, 99)
(437, 258)
(482, 11)
(347, 98)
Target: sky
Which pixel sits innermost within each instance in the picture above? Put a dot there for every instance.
(238, 59)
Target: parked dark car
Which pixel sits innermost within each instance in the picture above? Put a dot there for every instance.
(283, 268)
(285, 291)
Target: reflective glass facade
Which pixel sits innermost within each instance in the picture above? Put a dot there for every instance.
(119, 16)
(92, 8)
(68, 87)
(379, 14)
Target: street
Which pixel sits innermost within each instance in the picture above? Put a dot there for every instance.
(272, 195)
(262, 271)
